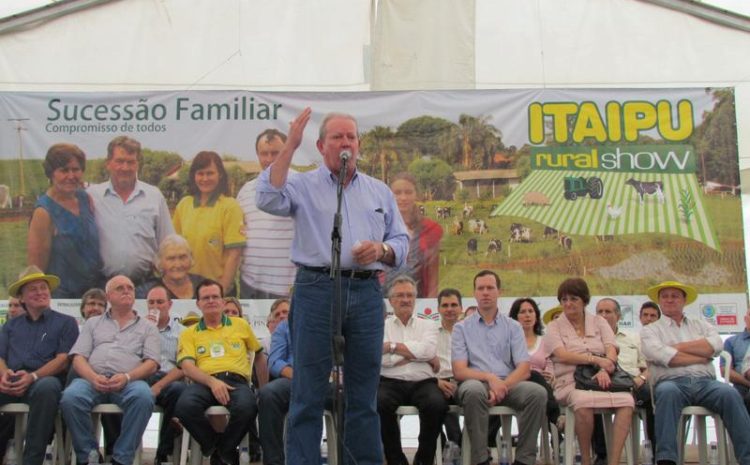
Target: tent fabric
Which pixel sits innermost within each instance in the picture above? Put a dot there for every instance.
(424, 44)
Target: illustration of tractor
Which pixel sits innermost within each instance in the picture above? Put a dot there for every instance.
(579, 186)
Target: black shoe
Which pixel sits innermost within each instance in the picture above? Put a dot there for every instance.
(218, 459)
(665, 462)
(600, 460)
(160, 459)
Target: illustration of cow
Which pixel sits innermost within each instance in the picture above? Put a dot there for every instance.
(647, 188)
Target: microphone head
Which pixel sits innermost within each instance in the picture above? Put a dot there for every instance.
(345, 155)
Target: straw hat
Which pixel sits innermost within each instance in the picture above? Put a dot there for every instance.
(29, 274)
(190, 319)
(690, 292)
(551, 313)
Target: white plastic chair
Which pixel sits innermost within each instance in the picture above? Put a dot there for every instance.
(700, 414)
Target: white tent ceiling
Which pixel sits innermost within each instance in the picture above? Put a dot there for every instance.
(344, 45)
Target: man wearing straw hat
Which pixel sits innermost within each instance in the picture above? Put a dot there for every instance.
(680, 350)
(33, 360)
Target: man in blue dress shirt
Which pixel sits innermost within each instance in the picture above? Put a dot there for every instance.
(374, 236)
(273, 398)
(491, 361)
(34, 360)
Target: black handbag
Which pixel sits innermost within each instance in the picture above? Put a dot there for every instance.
(584, 378)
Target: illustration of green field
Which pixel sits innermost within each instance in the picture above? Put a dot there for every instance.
(619, 211)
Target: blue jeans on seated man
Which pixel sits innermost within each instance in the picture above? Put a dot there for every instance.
(675, 393)
(310, 325)
(42, 397)
(243, 408)
(136, 402)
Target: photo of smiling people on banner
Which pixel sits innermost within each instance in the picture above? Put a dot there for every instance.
(627, 187)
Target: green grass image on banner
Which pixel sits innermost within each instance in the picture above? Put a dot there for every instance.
(618, 212)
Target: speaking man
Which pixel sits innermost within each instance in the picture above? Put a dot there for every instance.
(374, 236)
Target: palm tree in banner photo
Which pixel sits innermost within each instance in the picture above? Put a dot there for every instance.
(477, 141)
(380, 150)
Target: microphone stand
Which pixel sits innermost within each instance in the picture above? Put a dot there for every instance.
(337, 340)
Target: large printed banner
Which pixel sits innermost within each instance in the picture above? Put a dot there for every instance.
(623, 187)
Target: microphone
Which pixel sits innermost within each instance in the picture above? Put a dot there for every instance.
(345, 155)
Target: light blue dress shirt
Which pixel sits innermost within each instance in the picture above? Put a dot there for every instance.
(368, 211)
(496, 348)
(281, 349)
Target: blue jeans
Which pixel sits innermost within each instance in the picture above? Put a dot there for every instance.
(675, 393)
(311, 331)
(43, 396)
(136, 402)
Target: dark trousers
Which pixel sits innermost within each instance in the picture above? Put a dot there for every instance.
(432, 406)
(452, 427)
(191, 407)
(43, 398)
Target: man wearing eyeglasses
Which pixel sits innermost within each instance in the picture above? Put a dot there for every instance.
(407, 376)
(213, 353)
(165, 383)
(113, 356)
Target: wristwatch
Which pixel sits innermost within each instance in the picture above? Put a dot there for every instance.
(393, 347)
(386, 249)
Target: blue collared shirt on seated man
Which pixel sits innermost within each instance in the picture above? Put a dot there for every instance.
(281, 350)
(30, 345)
(368, 212)
(497, 348)
(26, 344)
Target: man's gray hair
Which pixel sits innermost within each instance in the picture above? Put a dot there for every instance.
(328, 117)
(617, 305)
(401, 279)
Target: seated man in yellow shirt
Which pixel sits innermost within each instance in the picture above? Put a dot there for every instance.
(213, 353)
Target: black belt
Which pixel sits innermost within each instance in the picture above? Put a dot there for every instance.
(353, 274)
(230, 376)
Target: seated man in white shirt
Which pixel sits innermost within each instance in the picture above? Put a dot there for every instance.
(680, 350)
(407, 376)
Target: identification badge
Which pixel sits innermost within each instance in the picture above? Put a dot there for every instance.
(217, 349)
